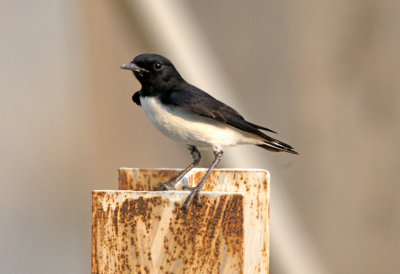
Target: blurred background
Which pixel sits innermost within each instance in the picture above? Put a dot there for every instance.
(324, 74)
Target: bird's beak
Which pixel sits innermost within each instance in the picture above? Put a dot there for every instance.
(133, 67)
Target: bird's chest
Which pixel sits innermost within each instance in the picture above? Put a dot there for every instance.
(169, 120)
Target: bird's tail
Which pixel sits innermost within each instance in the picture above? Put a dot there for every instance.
(275, 145)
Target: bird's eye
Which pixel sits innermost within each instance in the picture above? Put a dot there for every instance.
(157, 66)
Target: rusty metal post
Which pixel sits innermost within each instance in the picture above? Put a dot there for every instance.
(139, 230)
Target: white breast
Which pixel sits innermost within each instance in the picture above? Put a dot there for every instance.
(189, 128)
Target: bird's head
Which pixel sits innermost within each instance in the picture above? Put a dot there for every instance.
(153, 70)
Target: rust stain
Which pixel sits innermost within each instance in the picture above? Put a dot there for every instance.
(199, 241)
(144, 179)
(210, 184)
(176, 239)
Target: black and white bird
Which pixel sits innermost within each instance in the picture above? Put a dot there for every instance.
(191, 116)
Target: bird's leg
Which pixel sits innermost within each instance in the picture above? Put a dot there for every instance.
(173, 182)
(196, 190)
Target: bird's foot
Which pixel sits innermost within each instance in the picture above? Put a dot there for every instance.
(194, 193)
(167, 186)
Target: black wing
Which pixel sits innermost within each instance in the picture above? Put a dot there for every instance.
(136, 98)
(195, 100)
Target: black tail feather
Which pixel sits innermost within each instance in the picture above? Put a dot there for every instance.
(260, 127)
(277, 146)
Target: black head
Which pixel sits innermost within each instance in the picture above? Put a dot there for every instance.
(154, 71)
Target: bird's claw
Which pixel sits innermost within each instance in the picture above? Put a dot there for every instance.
(167, 186)
(194, 193)
(197, 195)
(185, 187)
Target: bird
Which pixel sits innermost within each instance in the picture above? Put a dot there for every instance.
(193, 117)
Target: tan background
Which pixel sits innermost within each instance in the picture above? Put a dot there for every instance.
(324, 74)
